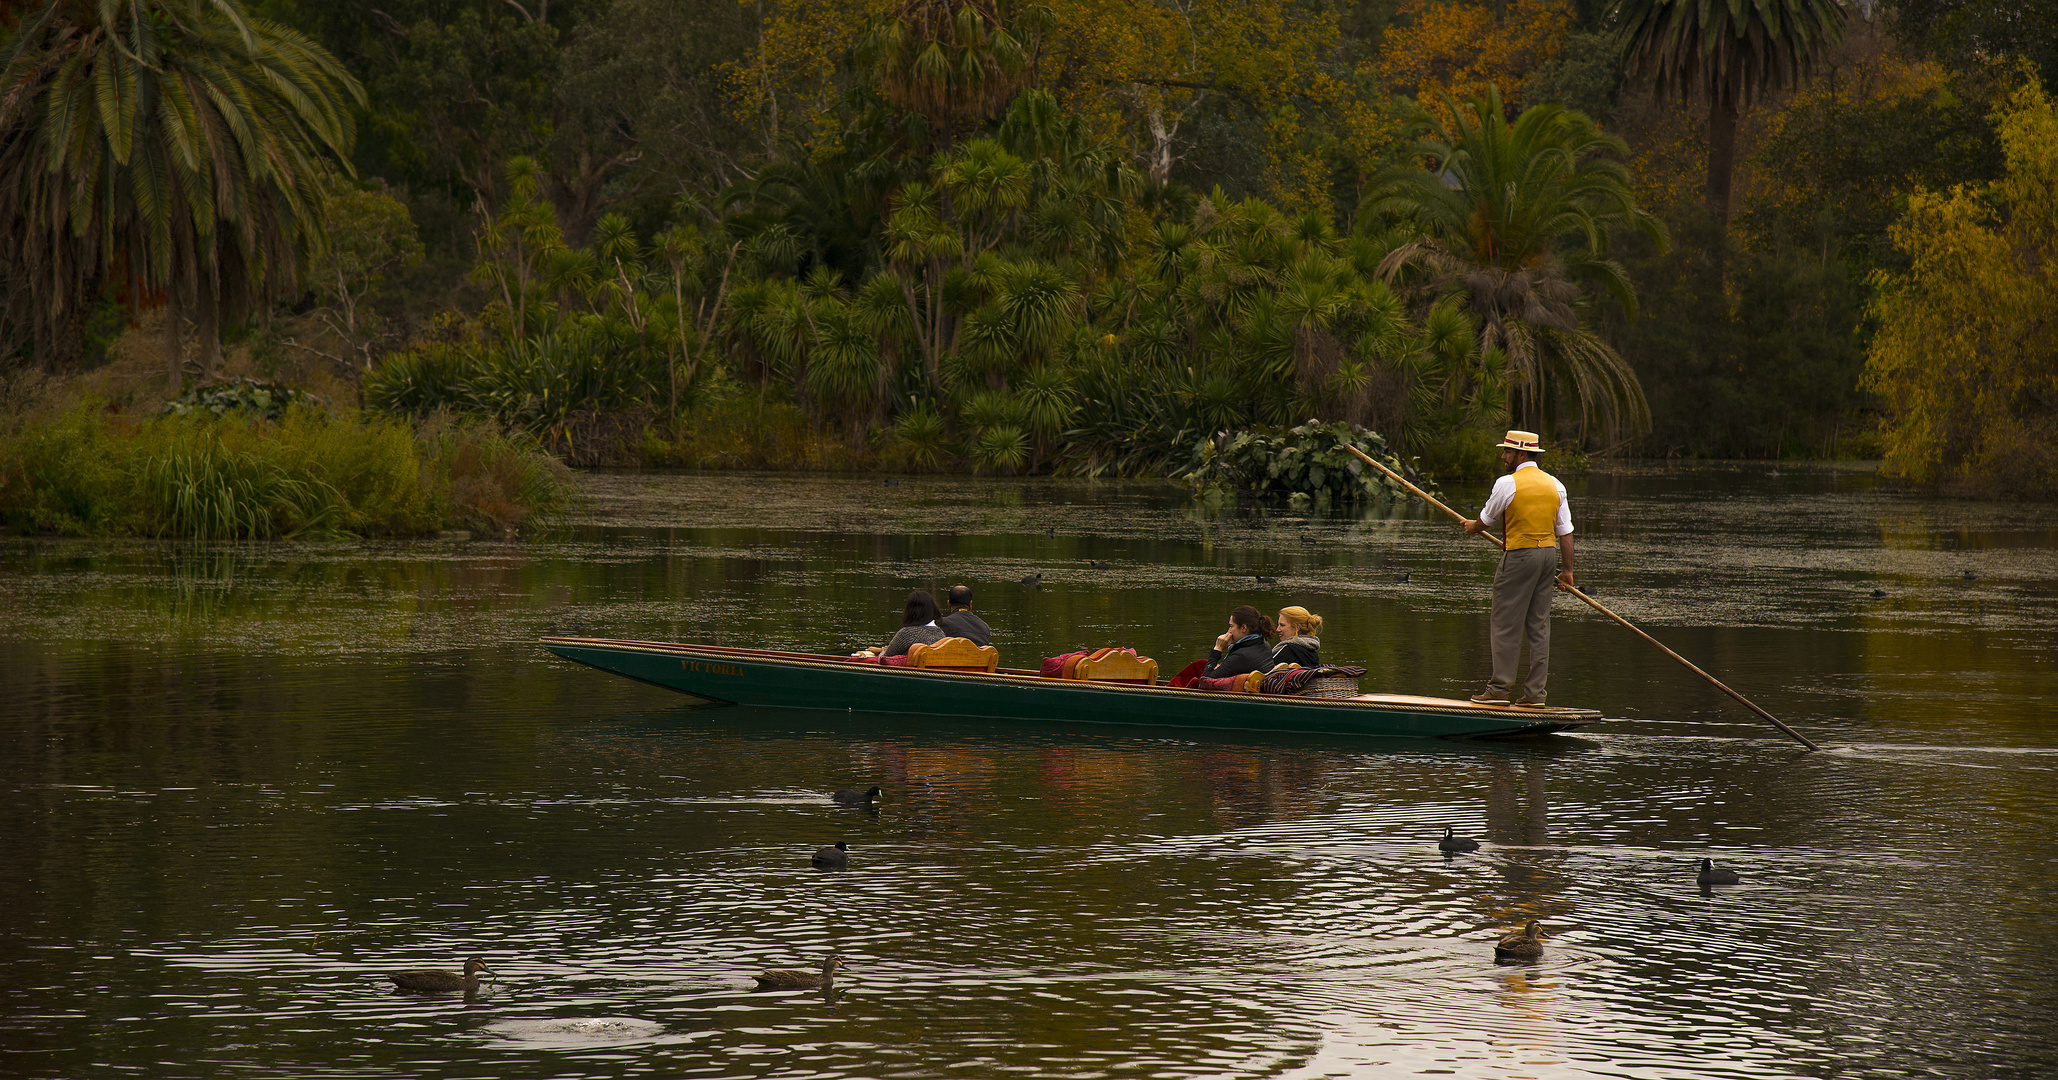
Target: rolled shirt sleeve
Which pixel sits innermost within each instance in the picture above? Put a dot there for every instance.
(1497, 502)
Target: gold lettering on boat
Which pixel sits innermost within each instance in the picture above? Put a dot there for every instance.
(710, 669)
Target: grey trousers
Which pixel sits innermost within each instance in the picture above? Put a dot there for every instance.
(1522, 590)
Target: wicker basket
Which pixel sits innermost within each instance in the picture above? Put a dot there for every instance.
(1329, 686)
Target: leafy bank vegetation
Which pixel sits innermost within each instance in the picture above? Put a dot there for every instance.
(1089, 236)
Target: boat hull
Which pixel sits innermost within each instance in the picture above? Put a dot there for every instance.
(810, 681)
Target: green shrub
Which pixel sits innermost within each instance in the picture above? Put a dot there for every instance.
(920, 441)
(489, 481)
(757, 431)
(267, 400)
(1309, 461)
(1003, 448)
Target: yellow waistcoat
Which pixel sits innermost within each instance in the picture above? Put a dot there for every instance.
(1532, 515)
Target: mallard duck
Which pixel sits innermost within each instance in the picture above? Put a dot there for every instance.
(1451, 843)
(854, 797)
(793, 979)
(1523, 944)
(838, 856)
(1711, 875)
(439, 982)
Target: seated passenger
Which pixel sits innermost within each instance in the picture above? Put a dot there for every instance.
(1242, 648)
(961, 622)
(1297, 641)
(917, 624)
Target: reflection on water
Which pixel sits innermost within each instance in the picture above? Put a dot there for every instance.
(241, 783)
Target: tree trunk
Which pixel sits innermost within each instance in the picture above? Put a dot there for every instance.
(207, 326)
(1721, 156)
(174, 340)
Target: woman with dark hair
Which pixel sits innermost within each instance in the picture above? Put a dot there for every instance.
(917, 624)
(1242, 648)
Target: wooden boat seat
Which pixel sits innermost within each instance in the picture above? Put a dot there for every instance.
(953, 654)
(1117, 665)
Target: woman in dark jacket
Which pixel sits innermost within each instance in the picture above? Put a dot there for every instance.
(1242, 648)
(917, 625)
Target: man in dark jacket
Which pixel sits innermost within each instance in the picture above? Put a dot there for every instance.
(961, 622)
(1242, 648)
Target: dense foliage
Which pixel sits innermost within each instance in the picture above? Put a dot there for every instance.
(1006, 236)
(1966, 358)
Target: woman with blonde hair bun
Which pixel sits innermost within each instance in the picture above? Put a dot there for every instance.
(1298, 640)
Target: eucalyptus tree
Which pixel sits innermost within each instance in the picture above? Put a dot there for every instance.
(1727, 52)
(177, 148)
(1515, 218)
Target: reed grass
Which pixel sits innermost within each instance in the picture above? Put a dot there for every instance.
(239, 477)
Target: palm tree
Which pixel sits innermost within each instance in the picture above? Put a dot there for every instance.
(174, 146)
(1515, 218)
(951, 62)
(1728, 52)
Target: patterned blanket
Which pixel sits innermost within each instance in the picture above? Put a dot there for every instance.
(1280, 680)
(1294, 680)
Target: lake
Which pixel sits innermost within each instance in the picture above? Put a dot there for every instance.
(242, 781)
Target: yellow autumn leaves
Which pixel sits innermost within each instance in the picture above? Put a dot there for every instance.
(1966, 357)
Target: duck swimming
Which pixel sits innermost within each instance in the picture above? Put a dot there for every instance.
(439, 982)
(791, 979)
(835, 858)
(1452, 844)
(1523, 944)
(1713, 875)
(854, 797)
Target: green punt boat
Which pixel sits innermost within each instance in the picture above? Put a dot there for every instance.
(811, 681)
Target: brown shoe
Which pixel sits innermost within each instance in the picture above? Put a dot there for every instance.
(1491, 696)
(1531, 701)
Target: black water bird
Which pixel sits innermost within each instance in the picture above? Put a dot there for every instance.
(1452, 843)
(1033, 581)
(1879, 594)
(1050, 530)
(1401, 578)
(854, 797)
(1263, 580)
(440, 982)
(892, 483)
(1307, 539)
(833, 858)
(791, 979)
(1101, 564)
(1523, 944)
(1970, 576)
(1713, 875)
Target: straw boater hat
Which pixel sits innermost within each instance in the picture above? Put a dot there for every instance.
(1522, 440)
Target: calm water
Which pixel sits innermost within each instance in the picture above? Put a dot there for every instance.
(238, 782)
